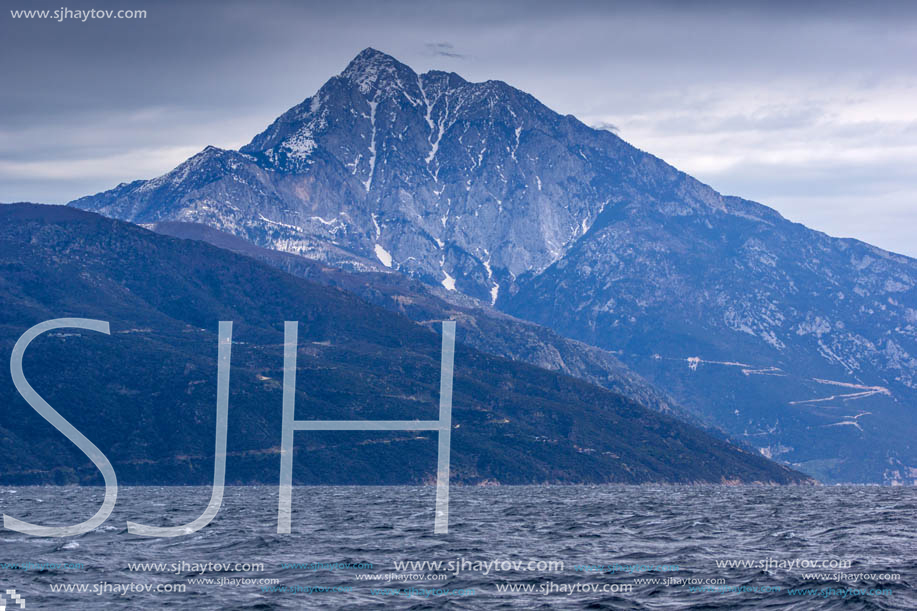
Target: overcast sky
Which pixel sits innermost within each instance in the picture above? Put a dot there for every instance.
(811, 110)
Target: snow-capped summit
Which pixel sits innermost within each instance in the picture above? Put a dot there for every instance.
(372, 70)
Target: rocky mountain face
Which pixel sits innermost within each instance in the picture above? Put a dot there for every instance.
(145, 394)
(468, 185)
(800, 343)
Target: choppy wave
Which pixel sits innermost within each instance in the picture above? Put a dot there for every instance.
(635, 528)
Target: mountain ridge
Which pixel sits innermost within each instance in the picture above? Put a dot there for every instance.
(486, 329)
(145, 394)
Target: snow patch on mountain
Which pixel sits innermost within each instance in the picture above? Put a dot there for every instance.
(383, 255)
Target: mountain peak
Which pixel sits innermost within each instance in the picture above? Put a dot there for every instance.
(369, 55)
(373, 69)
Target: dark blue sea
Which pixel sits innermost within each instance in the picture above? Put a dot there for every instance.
(544, 547)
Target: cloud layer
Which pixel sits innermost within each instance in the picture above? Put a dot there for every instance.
(810, 109)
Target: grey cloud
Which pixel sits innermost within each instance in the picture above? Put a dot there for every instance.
(444, 49)
(610, 127)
